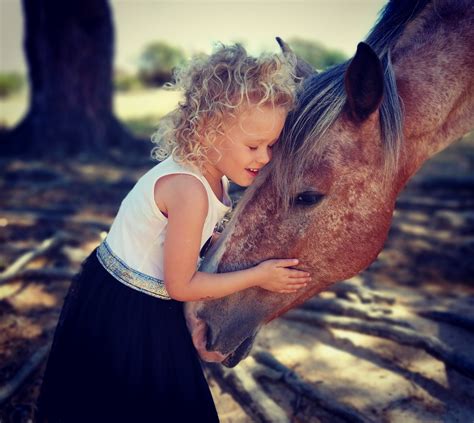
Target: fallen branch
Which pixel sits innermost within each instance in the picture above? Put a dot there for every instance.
(9, 388)
(240, 383)
(47, 245)
(276, 371)
(398, 334)
(344, 308)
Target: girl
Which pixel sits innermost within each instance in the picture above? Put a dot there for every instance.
(121, 350)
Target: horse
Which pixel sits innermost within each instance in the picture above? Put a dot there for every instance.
(359, 131)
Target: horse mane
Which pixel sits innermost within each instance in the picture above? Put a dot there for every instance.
(321, 99)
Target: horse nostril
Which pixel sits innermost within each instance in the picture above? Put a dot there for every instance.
(208, 338)
(211, 339)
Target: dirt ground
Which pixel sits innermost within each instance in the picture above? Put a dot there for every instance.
(426, 265)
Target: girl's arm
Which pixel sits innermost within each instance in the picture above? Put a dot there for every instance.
(187, 206)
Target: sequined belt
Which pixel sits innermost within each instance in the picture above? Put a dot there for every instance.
(128, 276)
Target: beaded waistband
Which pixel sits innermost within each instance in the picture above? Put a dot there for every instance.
(128, 276)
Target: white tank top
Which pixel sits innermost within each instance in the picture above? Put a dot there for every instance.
(138, 231)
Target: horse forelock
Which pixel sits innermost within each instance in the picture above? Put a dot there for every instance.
(320, 103)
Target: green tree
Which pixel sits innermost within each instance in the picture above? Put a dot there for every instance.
(316, 54)
(124, 81)
(157, 61)
(10, 83)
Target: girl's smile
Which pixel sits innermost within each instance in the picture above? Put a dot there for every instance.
(253, 172)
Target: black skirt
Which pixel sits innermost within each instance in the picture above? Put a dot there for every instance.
(120, 355)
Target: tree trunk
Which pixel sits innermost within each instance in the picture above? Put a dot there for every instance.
(69, 49)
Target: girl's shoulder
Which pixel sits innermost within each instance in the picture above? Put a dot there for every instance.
(178, 188)
(169, 170)
(175, 184)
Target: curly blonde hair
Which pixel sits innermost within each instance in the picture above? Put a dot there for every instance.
(215, 86)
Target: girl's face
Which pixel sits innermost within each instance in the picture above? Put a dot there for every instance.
(245, 147)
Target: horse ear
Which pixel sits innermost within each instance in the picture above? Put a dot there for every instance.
(303, 68)
(364, 83)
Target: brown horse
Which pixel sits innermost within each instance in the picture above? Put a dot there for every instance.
(359, 132)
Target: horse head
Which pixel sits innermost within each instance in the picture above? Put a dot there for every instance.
(360, 130)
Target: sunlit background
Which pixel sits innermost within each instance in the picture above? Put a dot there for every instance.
(317, 28)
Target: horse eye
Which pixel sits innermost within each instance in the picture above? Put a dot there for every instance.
(308, 198)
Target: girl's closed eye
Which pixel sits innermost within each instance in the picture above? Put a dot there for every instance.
(256, 148)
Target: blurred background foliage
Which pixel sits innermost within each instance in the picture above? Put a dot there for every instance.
(11, 83)
(139, 100)
(316, 54)
(157, 62)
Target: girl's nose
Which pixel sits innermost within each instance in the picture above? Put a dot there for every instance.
(264, 156)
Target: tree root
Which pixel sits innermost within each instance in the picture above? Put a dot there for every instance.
(44, 273)
(429, 203)
(47, 245)
(9, 388)
(240, 383)
(344, 289)
(403, 336)
(465, 322)
(66, 218)
(276, 371)
(345, 308)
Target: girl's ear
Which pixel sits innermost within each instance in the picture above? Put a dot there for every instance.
(202, 130)
(364, 83)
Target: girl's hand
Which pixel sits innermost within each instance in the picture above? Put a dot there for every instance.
(275, 275)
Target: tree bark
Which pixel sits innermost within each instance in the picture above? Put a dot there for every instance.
(69, 49)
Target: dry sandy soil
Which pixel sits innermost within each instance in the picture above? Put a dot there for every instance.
(426, 265)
